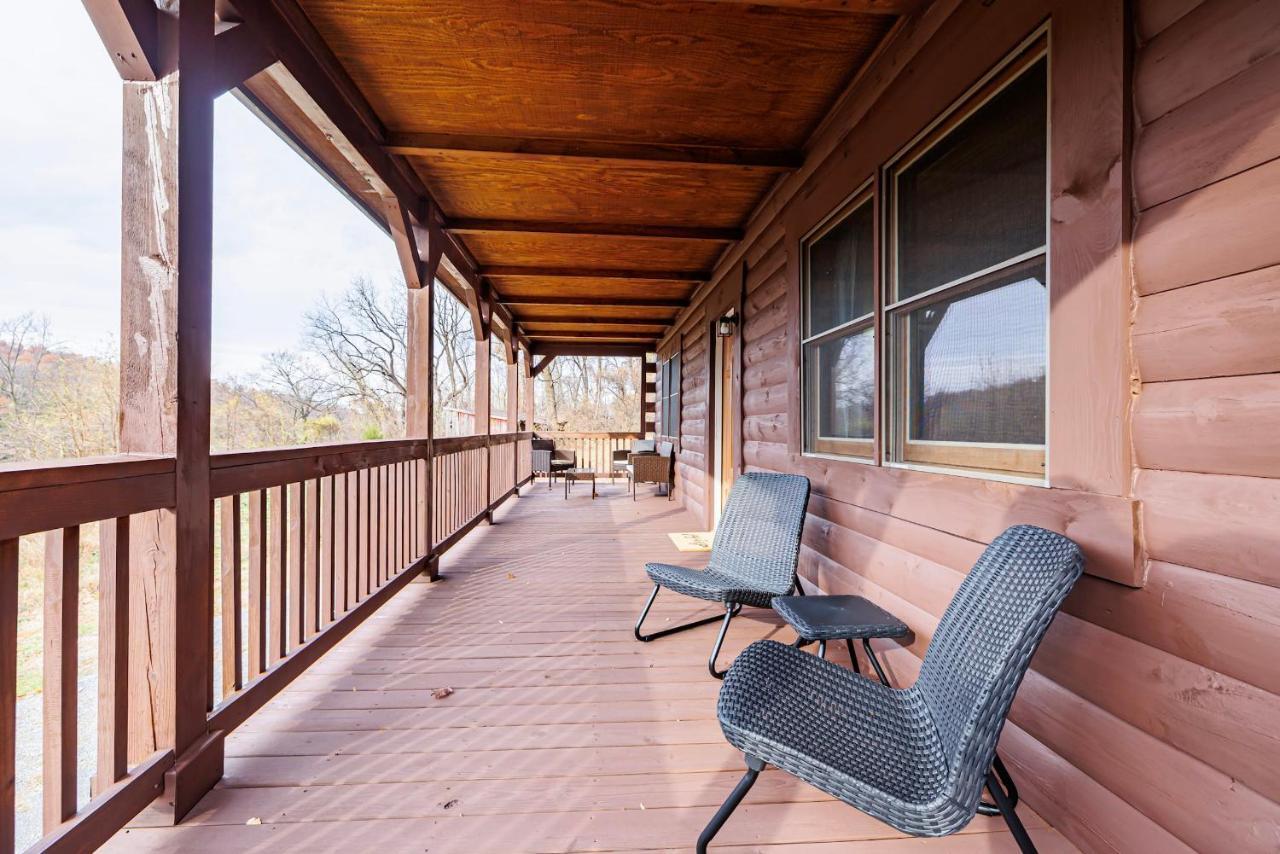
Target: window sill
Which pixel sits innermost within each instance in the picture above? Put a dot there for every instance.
(976, 474)
(840, 458)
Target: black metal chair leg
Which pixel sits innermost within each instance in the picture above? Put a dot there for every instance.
(754, 767)
(729, 612)
(871, 656)
(853, 659)
(1011, 790)
(1006, 808)
(664, 632)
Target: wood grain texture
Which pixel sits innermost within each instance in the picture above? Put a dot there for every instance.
(441, 70)
(1222, 132)
(471, 185)
(1225, 327)
(1221, 523)
(1233, 216)
(1224, 425)
(1211, 43)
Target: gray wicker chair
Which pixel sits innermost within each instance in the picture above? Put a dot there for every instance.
(916, 758)
(753, 555)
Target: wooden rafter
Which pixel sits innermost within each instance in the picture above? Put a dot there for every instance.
(594, 273)
(560, 149)
(592, 334)
(865, 7)
(595, 322)
(130, 31)
(585, 348)
(583, 229)
(540, 365)
(592, 302)
(238, 55)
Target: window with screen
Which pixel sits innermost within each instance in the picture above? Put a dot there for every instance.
(839, 336)
(669, 396)
(966, 312)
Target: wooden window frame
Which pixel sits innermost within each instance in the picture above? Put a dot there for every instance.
(1025, 463)
(855, 448)
(669, 397)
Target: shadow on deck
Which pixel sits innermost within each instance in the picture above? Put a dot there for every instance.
(562, 732)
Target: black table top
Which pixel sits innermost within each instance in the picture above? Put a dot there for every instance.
(838, 617)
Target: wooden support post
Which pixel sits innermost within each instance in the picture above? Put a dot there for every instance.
(482, 411)
(166, 302)
(420, 398)
(526, 389)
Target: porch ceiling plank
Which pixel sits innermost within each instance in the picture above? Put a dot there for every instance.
(468, 226)
(507, 271)
(585, 348)
(571, 323)
(590, 302)
(130, 31)
(865, 7)
(593, 334)
(600, 151)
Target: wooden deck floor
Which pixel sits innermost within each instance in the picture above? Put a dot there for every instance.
(562, 732)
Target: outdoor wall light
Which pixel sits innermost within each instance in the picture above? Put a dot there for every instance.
(726, 325)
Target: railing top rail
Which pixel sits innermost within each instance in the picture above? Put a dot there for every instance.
(38, 498)
(230, 459)
(597, 434)
(41, 473)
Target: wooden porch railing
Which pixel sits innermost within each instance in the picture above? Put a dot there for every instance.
(595, 450)
(311, 541)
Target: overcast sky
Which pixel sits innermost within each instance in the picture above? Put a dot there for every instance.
(282, 234)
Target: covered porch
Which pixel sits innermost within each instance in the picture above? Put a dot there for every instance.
(561, 734)
(1072, 327)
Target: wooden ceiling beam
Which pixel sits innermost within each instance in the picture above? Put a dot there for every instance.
(594, 273)
(541, 365)
(593, 302)
(597, 322)
(863, 7)
(129, 29)
(238, 54)
(602, 348)
(599, 335)
(425, 144)
(576, 229)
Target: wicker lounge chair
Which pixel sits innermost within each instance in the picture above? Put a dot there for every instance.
(549, 460)
(653, 467)
(622, 458)
(915, 758)
(753, 555)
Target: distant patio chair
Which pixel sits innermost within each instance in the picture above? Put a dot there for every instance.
(653, 467)
(753, 555)
(549, 460)
(916, 758)
(622, 458)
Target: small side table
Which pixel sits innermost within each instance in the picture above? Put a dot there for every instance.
(847, 618)
(570, 475)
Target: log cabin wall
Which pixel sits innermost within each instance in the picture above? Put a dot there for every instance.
(1148, 721)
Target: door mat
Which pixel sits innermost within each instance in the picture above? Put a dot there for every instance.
(693, 541)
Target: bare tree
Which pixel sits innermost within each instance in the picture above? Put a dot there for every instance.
(304, 389)
(360, 340)
(24, 347)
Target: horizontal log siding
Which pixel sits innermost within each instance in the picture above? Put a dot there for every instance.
(1149, 719)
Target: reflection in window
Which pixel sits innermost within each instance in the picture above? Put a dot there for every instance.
(977, 365)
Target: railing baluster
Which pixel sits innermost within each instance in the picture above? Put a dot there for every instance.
(232, 671)
(276, 644)
(311, 561)
(341, 505)
(297, 554)
(258, 560)
(328, 550)
(113, 651)
(61, 621)
(8, 687)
